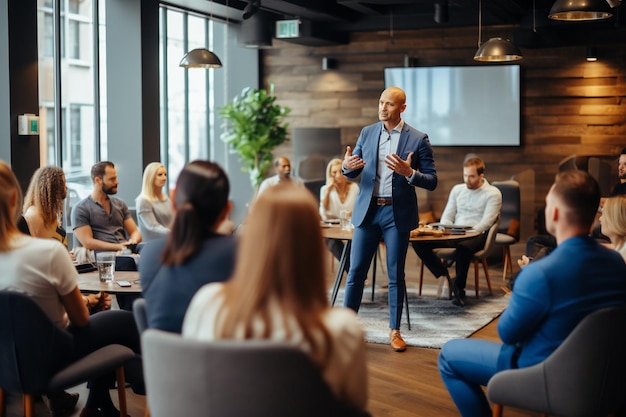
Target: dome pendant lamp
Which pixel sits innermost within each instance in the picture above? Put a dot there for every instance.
(580, 10)
(495, 49)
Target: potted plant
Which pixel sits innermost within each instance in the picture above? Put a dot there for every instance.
(253, 126)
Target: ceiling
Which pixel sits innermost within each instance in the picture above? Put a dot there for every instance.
(331, 21)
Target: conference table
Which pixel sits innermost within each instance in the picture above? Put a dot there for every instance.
(332, 231)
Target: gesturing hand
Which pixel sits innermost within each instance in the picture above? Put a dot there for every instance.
(398, 165)
(352, 162)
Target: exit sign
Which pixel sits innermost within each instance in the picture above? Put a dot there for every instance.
(287, 28)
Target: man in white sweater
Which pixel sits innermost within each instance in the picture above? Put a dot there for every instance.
(474, 203)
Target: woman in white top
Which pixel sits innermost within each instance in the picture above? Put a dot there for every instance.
(613, 222)
(154, 209)
(43, 270)
(278, 292)
(338, 194)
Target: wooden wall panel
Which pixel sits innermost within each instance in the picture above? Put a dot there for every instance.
(569, 106)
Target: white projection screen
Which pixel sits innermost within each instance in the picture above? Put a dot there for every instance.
(462, 106)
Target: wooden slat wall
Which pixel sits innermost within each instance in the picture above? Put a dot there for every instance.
(569, 106)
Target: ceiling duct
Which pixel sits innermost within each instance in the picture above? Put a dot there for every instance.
(257, 31)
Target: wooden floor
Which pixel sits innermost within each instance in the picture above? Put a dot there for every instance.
(400, 384)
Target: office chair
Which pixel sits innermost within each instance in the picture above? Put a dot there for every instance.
(233, 379)
(26, 337)
(510, 213)
(585, 376)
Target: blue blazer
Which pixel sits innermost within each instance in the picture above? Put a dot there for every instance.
(404, 199)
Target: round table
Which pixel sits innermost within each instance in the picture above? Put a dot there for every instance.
(89, 281)
(336, 232)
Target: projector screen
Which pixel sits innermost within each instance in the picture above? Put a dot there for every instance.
(462, 106)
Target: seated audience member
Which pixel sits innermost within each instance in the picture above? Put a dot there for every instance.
(43, 207)
(154, 208)
(278, 292)
(613, 221)
(474, 203)
(338, 194)
(173, 268)
(102, 222)
(551, 296)
(282, 167)
(43, 270)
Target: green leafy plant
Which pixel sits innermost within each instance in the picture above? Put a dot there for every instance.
(253, 126)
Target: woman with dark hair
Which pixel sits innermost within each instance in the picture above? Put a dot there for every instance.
(174, 267)
(278, 292)
(43, 270)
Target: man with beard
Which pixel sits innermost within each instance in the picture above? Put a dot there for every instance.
(474, 203)
(102, 222)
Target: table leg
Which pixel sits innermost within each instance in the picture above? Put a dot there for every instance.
(342, 265)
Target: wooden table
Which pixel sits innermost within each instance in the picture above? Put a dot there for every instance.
(89, 281)
(335, 232)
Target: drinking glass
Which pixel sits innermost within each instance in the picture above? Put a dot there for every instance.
(106, 266)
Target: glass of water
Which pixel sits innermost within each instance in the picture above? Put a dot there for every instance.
(345, 218)
(106, 266)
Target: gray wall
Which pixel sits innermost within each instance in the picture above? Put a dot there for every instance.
(5, 125)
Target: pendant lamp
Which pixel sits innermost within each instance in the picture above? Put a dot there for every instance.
(580, 10)
(200, 58)
(495, 49)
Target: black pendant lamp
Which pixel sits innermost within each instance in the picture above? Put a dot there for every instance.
(200, 58)
(580, 10)
(495, 49)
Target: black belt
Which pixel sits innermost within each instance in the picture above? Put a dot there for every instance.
(383, 201)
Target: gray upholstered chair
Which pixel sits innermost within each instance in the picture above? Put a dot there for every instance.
(26, 360)
(139, 312)
(509, 230)
(233, 379)
(585, 376)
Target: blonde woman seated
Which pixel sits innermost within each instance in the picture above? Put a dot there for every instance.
(154, 208)
(338, 194)
(613, 222)
(278, 292)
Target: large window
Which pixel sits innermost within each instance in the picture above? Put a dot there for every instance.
(69, 81)
(186, 95)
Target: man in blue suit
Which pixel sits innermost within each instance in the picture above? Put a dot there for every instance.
(392, 158)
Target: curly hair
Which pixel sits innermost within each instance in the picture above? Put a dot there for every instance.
(8, 188)
(46, 191)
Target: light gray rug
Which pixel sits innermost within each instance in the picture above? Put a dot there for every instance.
(433, 321)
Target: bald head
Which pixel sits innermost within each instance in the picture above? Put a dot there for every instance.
(390, 106)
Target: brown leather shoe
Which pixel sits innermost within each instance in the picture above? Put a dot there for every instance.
(397, 344)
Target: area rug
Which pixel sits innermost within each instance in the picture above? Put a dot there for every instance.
(433, 321)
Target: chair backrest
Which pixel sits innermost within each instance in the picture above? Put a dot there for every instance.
(140, 314)
(491, 238)
(584, 376)
(29, 344)
(510, 213)
(313, 167)
(232, 378)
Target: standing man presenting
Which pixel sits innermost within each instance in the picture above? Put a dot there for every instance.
(392, 158)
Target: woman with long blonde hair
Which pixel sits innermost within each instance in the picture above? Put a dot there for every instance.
(336, 196)
(613, 222)
(154, 208)
(278, 292)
